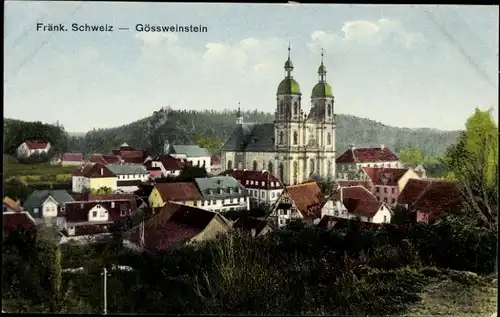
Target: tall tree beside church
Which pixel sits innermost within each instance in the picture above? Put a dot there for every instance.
(474, 161)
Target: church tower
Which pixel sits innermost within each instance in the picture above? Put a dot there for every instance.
(239, 116)
(288, 117)
(322, 112)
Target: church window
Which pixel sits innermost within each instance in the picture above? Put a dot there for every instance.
(329, 138)
(295, 172)
(329, 110)
(254, 165)
(282, 107)
(270, 167)
(282, 136)
(282, 172)
(295, 137)
(312, 166)
(295, 107)
(329, 169)
(229, 165)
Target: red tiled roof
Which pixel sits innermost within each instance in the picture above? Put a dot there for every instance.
(174, 224)
(78, 211)
(178, 191)
(215, 160)
(382, 176)
(104, 159)
(104, 197)
(17, 220)
(170, 163)
(350, 183)
(308, 198)
(96, 170)
(367, 155)
(36, 145)
(439, 197)
(72, 157)
(358, 200)
(413, 189)
(12, 204)
(246, 177)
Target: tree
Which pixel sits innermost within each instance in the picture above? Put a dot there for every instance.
(189, 173)
(411, 155)
(473, 160)
(102, 191)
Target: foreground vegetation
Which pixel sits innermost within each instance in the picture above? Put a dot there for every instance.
(299, 270)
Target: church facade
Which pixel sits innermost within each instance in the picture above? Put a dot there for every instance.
(296, 147)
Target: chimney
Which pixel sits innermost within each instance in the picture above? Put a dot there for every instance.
(382, 146)
(102, 171)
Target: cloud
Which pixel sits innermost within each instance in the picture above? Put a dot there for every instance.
(361, 34)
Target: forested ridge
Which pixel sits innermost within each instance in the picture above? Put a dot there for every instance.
(190, 127)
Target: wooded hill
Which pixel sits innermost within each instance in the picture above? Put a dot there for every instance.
(211, 128)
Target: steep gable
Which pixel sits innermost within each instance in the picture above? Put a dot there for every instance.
(366, 155)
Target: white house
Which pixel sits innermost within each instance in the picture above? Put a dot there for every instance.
(28, 148)
(129, 176)
(222, 193)
(357, 202)
(44, 205)
(93, 177)
(194, 154)
(169, 165)
(263, 187)
(354, 158)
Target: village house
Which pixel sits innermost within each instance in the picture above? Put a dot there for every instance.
(357, 202)
(303, 201)
(354, 158)
(45, 205)
(169, 166)
(419, 169)
(72, 159)
(29, 148)
(386, 183)
(263, 187)
(93, 177)
(216, 166)
(14, 220)
(104, 159)
(352, 182)
(175, 225)
(194, 154)
(256, 227)
(10, 205)
(222, 193)
(129, 176)
(180, 192)
(427, 199)
(130, 155)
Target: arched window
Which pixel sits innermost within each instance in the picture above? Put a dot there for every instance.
(282, 172)
(312, 166)
(329, 110)
(282, 136)
(254, 165)
(295, 172)
(239, 166)
(270, 167)
(282, 107)
(295, 107)
(229, 165)
(295, 137)
(329, 138)
(329, 169)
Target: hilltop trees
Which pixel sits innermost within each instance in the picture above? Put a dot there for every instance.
(474, 161)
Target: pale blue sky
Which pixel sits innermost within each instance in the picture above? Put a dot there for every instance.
(391, 64)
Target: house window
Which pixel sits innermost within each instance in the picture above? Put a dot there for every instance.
(385, 218)
(377, 190)
(295, 137)
(123, 213)
(393, 190)
(112, 204)
(263, 194)
(393, 201)
(94, 214)
(385, 199)
(214, 202)
(385, 190)
(235, 200)
(195, 203)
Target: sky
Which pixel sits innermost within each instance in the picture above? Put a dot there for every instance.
(405, 66)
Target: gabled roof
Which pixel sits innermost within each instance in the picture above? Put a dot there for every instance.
(37, 197)
(189, 150)
(18, 220)
(350, 183)
(78, 211)
(439, 197)
(220, 187)
(256, 176)
(182, 191)
(104, 159)
(308, 198)
(251, 137)
(173, 225)
(36, 145)
(127, 169)
(366, 155)
(382, 176)
(96, 170)
(413, 190)
(357, 200)
(73, 157)
(15, 206)
(169, 162)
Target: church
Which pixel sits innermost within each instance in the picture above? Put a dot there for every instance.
(296, 147)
